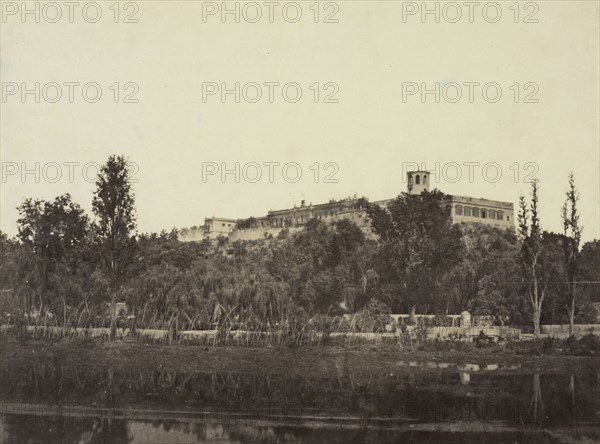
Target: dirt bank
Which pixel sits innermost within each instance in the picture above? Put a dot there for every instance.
(322, 361)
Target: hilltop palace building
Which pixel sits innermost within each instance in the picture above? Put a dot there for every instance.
(462, 209)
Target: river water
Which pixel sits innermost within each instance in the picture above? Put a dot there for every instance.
(48, 402)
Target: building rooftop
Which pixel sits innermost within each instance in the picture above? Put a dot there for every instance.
(481, 201)
(221, 219)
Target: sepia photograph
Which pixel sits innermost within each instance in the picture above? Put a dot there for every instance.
(299, 222)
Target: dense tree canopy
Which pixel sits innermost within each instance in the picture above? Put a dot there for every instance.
(64, 269)
(419, 248)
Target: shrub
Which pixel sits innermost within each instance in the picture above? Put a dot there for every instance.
(374, 317)
(342, 324)
(548, 344)
(443, 346)
(321, 323)
(586, 345)
(441, 321)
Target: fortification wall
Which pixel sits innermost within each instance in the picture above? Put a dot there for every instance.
(258, 233)
(192, 235)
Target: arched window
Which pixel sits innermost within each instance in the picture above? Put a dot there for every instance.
(424, 179)
(475, 212)
(483, 214)
(467, 211)
(417, 179)
(500, 215)
(492, 214)
(458, 210)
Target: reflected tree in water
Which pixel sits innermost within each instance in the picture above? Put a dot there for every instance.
(537, 405)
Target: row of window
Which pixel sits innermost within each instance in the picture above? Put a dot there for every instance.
(418, 179)
(483, 213)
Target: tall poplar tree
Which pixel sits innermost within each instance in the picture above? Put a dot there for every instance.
(530, 236)
(572, 232)
(114, 208)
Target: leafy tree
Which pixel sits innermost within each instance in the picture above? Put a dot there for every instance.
(15, 264)
(347, 238)
(244, 224)
(484, 280)
(164, 287)
(554, 277)
(113, 206)
(588, 280)
(419, 247)
(10, 257)
(53, 232)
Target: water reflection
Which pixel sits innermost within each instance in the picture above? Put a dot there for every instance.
(64, 430)
(465, 377)
(537, 410)
(53, 403)
(459, 366)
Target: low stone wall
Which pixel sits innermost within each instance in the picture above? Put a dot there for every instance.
(367, 336)
(441, 333)
(431, 333)
(471, 332)
(196, 334)
(562, 331)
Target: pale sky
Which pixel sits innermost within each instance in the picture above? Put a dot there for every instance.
(372, 53)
